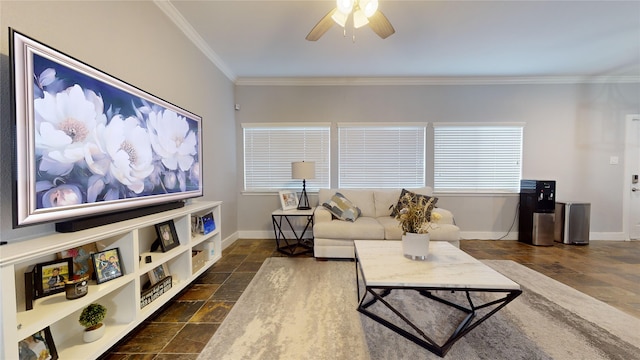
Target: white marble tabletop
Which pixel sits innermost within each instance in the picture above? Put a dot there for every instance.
(383, 264)
(293, 212)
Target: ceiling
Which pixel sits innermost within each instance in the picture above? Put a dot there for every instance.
(434, 39)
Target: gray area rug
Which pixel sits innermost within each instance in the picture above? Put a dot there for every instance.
(306, 309)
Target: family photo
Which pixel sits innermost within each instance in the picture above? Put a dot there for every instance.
(107, 265)
(53, 275)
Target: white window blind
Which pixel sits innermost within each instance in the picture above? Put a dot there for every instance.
(269, 150)
(477, 157)
(381, 156)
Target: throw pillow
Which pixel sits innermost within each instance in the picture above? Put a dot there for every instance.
(402, 201)
(342, 208)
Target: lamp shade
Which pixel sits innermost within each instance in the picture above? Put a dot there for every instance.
(303, 170)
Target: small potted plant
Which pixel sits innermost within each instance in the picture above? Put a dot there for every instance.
(91, 318)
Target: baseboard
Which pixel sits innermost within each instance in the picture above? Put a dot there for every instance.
(230, 240)
(487, 235)
(614, 236)
(261, 234)
(464, 235)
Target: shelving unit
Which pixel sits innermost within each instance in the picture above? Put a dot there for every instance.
(121, 296)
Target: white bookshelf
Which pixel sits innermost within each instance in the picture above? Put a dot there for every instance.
(121, 296)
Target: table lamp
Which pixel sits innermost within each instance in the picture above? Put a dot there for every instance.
(303, 170)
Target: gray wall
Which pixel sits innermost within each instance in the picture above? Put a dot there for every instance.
(133, 41)
(571, 131)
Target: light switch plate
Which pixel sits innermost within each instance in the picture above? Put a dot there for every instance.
(613, 160)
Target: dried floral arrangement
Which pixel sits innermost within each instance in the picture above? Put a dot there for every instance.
(416, 214)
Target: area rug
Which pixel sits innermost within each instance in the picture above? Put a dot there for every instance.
(306, 309)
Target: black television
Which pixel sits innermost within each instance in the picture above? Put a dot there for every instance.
(90, 148)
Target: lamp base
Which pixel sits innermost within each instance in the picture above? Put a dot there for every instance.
(303, 203)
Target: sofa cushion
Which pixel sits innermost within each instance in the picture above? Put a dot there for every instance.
(446, 217)
(325, 194)
(362, 198)
(402, 201)
(445, 232)
(342, 208)
(364, 228)
(392, 229)
(439, 232)
(386, 199)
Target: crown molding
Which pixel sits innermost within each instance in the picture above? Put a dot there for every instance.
(379, 81)
(174, 15)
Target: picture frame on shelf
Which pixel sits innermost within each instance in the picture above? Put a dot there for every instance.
(167, 236)
(81, 255)
(48, 278)
(38, 346)
(107, 265)
(288, 199)
(158, 273)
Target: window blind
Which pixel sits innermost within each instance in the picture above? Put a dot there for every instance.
(381, 156)
(269, 150)
(478, 158)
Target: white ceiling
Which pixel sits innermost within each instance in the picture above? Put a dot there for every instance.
(433, 39)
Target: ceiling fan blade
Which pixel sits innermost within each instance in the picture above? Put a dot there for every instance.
(321, 27)
(381, 25)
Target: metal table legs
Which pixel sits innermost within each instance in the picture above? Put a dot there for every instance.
(417, 335)
(299, 244)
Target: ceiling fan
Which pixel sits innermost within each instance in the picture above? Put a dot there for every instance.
(360, 12)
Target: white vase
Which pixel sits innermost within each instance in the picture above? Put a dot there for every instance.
(415, 246)
(93, 335)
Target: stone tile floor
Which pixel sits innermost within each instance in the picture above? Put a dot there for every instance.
(606, 270)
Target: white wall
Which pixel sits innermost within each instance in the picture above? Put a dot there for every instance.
(133, 41)
(571, 131)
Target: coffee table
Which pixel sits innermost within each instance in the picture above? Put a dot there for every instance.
(384, 269)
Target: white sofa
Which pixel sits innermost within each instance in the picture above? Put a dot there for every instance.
(333, 238)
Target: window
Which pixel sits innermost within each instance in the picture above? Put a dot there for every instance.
(381, 155)
(269, 150)
(477, 157)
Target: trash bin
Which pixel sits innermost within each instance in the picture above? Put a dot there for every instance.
(542, 229)
(572, 223)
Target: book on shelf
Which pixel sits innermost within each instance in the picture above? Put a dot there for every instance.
(208, 223)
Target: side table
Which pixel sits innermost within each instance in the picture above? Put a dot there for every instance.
(299, 244)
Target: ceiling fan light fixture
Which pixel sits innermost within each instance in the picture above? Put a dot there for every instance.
(345, 6)
(357, 13)
(359, 19)
(340, 18)
(369, 7)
